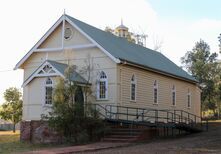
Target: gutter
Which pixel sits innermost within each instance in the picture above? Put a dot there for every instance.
(125, 62)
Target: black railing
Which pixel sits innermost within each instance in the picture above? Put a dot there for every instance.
(149, 115)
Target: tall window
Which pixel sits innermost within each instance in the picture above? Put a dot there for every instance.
(102, 86)
(174, 95)
(155, 92)
(48, 91)
(133, 88)
(188, 99)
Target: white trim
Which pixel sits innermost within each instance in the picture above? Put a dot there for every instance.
(62, 33)
(57, 73)
(46, 57)
(45, 85)
(106, 86)
(81, 46)
(116, 60)
(18, 65)
(106, 91)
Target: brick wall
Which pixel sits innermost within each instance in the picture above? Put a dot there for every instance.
(38, 132)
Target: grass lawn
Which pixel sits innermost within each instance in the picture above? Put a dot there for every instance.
(10, 143)
(215, 121)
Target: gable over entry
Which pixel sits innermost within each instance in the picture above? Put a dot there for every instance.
(51, 68)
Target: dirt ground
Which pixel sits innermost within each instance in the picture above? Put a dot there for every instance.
(200, 143)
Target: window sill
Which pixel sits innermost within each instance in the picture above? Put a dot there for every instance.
(47, 105)
(133, 101)
(155, 104)
(105, 99)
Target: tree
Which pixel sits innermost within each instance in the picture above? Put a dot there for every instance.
(70, 117)
(219, 39)
(157, 43)
(12, 108)
(87, 72)
(203, 66)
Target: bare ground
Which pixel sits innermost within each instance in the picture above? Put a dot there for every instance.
(200, 143)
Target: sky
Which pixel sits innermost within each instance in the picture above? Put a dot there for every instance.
(178, 24)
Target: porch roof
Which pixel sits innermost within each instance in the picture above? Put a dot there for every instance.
(76, 77)
(59, 69)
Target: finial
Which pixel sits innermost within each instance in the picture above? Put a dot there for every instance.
(64, 11)
(121, 21)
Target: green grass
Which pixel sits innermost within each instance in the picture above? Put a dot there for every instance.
(10, 143)
(215, 121)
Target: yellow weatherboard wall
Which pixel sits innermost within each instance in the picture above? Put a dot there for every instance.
(144, 96)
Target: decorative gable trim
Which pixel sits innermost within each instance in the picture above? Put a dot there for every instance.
(62, 20)
(83, 46)
(45, 70)
(45, 36)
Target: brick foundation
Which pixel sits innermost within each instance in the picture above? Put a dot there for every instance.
(38, 132)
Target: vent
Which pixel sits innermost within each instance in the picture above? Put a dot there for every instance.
(67, 33)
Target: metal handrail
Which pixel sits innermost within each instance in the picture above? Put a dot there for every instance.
(142, 114)
(146, 114)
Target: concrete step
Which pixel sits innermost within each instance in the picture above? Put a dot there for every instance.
(127, 129)
(124, 133)
(108, 139)
(127, 136)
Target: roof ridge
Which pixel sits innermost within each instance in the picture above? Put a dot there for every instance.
(110, 34)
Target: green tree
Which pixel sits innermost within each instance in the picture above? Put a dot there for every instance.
(202, 64)
(70, 118)
(12, 108)
(219, 39)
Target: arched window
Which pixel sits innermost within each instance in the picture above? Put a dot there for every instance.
(188, 98)
(133, 88)
(102, 86)
(173, 95)
(48, 91)
(155, 92)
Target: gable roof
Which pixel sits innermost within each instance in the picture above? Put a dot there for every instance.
(58, 70)
(29, 53)
(121, 49)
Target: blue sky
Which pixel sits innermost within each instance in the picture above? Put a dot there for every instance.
(187, 9)
(178, 24)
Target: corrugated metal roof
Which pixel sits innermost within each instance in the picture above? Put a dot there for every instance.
(76, 77)
(122, 49)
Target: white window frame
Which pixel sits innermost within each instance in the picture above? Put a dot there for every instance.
(155, 86)
(45, 86)
(134, 81)
(173, 92)
(189, 102)
(106, 86)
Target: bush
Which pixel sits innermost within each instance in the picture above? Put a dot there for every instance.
(76, 122)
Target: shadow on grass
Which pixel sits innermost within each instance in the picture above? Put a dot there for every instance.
(10, 143)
